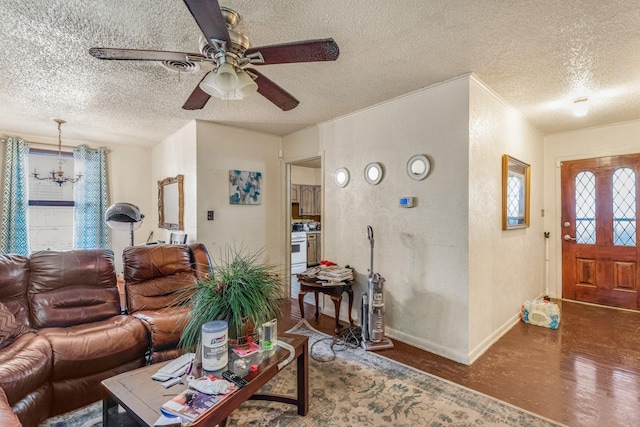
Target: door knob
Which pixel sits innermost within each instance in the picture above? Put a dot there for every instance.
(569, 238)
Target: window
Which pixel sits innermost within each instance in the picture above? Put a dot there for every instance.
(50, 205)
(585, 208)
(624, 207)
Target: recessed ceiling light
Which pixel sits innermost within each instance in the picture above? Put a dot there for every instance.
(580, 107)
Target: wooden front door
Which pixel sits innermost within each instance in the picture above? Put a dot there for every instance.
(599, 248)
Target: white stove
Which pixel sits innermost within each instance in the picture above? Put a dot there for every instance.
(299, 263)
(299, 248)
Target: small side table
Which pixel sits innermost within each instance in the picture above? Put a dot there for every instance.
(334, 291)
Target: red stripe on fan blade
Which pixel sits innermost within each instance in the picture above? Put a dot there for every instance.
(141, 54)
(198, 98)
(302, 51)
(209, 18)
(274, 93)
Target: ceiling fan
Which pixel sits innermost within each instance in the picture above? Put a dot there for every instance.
(230, 54)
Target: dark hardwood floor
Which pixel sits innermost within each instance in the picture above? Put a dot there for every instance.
(586, 373)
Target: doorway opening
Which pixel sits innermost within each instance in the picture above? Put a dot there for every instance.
(305, 214)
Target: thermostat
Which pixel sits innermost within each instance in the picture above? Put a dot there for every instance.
(407, 202)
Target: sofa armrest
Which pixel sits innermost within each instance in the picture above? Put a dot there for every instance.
(7, 417)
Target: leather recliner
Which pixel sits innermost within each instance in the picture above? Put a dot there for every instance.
(75, 305)
(158, 281)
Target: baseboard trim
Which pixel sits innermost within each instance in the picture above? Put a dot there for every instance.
(426, 345)
(481, 348)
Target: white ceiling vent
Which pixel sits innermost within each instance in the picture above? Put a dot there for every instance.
(181, 66)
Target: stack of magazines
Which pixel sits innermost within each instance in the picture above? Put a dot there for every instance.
(335, 273)
(191, 404)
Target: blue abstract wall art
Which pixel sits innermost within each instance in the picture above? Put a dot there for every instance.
(244, 187)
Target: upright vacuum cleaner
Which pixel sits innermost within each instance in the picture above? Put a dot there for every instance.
(372, 312)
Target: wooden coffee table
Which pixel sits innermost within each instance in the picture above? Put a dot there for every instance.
(142, 397)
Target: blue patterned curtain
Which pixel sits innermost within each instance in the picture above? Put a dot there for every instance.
(15, 194)
(91, 201)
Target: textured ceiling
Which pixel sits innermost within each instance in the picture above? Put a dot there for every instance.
(538, 55)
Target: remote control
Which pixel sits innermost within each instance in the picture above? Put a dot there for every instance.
(237, 380)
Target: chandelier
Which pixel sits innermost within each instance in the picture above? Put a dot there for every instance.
(58, 177)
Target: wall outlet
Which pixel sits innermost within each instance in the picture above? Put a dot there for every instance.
(209, 215)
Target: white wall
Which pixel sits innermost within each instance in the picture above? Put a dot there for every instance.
(505, 267)
(448, 289)
(176, 155)
(223, 148)
(305, 176)
(615, 139)
(129, 173)
(422, 251)
(301, 145)
(129, 169)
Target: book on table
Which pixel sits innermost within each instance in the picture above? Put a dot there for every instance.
(192, 404)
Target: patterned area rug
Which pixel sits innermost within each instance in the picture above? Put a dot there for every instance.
(360, 388)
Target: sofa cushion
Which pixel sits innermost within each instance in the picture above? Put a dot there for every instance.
(25, 365)
(14, 281)
(86, 349)
(7, 417)
(157, 276)
(10, 328)
(72, 287)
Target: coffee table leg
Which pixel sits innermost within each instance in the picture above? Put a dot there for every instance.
(105, 411)
(317, 306)
(302, 369)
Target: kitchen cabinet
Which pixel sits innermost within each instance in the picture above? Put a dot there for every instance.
(310, 199)
(313, 249)
(318, 248)
(295, 193)
(317, 199)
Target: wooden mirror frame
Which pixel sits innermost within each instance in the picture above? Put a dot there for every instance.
(164, 220)
(514, 168)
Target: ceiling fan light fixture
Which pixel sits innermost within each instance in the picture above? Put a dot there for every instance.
(246, 85)
(581, 107)
(226, 77)
(209, 85)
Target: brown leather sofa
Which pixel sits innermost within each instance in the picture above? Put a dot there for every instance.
(62, 330)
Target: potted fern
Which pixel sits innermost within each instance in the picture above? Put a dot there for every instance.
(242, 290)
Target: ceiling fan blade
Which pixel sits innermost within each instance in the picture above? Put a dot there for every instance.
(198, 98)
(209, 18)
(141, 54)
(302, 51)
(274, 93)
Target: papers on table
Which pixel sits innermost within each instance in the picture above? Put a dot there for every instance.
(175, 368)
(330, 274)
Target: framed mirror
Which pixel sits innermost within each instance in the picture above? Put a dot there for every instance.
(341, 177)
(171, 203)
(373, 173)
(418, 167)
(516, 183)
